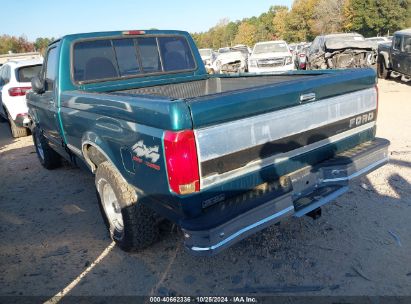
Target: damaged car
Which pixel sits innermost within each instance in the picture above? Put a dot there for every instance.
(341, 51)
(232, 61)
(208, 56)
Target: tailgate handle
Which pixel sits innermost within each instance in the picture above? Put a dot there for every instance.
(307, 97)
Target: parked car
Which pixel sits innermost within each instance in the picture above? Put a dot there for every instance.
(221, 156)
(395, 59)
(341, 51)
(15, 81)
(270, 56)
(232, 61)
(295, 50)
(245, 51)
(301, 60)
(208, 56)
(300, 55)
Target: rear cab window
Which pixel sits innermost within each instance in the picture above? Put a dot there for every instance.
(116, 58)
(25, 74)
(94, 60)
(150, 58)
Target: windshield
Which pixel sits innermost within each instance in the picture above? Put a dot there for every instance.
(243, 50)
(223, 50)
(205, 52)
(270, 48)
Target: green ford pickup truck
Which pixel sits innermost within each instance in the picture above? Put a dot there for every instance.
(222, 156)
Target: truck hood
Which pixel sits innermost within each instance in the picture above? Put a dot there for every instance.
(205, 57)
(384, 46)
(230, 57)
(338, 44)
(270, 55)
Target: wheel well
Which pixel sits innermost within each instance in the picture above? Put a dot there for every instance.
(383, 57)
(93, 156)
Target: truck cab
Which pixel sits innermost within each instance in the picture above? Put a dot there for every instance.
(394, 59)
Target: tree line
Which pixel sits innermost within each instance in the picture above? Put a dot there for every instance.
(12, 44)
(308, 18)
(305, 20)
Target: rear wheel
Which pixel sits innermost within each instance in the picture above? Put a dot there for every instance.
(382, 70)
(17, 131)
(49, 158)
(3, 118)
(131, 224)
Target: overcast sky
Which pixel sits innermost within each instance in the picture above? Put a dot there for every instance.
(48, 18)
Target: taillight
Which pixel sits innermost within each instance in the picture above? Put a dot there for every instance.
(181, 160)
(134, 32)
(18, 91)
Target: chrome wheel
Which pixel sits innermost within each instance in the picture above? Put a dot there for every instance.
(111, 208)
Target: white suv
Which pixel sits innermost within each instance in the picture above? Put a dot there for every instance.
(15, 81)
(270, 56)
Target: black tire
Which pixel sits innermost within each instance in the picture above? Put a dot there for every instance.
(2, 118)
(17, 131)
(382, 70)
(48, 158)
(139, 228)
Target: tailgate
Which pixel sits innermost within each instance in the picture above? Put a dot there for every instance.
(283, 121)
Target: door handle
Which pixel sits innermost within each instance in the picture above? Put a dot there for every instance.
(307, 97)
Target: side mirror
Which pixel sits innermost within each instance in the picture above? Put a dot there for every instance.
(37, 84)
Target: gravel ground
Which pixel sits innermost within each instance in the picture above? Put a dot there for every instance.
(53, 239)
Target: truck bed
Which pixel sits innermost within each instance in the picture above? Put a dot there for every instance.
(201, 88)
(211, 101)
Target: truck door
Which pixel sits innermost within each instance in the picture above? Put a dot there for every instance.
(46, 109)
(406, 55)
(396, 53)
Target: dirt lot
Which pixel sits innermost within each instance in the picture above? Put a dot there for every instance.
(53, 239)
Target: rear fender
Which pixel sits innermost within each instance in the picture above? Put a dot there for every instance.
(92, 139)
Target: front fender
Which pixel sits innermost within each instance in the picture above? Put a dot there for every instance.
(386, 57)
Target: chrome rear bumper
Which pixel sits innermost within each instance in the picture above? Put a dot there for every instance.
(306, 190)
